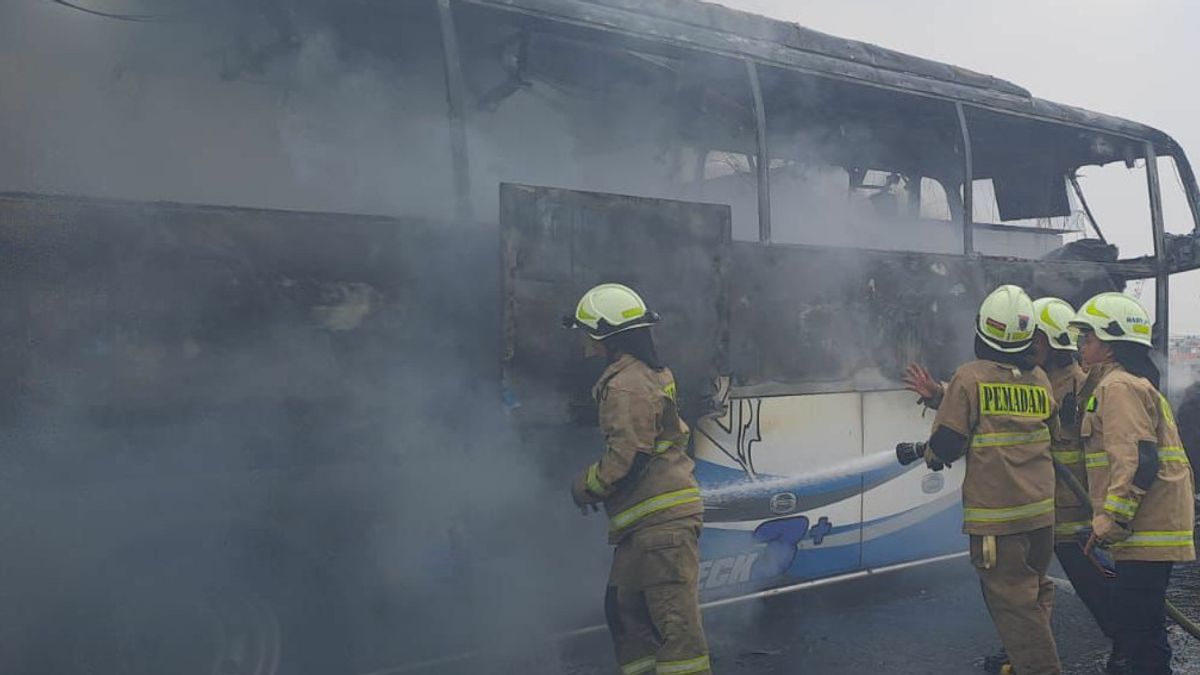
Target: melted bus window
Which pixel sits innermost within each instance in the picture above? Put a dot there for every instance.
(1035, 183)
(861, 167)
(585, 109)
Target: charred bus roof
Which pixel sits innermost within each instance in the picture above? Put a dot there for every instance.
(717, 29)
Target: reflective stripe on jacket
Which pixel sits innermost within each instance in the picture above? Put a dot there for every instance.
(1071, 389)
(645, 475)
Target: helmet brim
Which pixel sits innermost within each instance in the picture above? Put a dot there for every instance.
(1006, 347)
(604, 329)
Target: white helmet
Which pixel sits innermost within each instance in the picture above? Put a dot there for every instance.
(1115, 317)
(609, 309)
(1005, 321)
(1053, 317)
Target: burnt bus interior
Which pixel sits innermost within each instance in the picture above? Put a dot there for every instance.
(802, 227)
(876, 169)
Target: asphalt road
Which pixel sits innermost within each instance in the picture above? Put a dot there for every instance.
(917, 621)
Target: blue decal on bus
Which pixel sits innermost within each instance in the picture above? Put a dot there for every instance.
(782, 537)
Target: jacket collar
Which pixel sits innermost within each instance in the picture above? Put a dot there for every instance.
(1096, 374)
(622, 362)
(1071, 368)
(1100, 370)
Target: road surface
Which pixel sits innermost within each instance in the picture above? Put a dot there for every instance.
(927, 620)
(919, 621)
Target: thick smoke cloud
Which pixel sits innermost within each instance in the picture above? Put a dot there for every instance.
(232, 376)
(343, 370)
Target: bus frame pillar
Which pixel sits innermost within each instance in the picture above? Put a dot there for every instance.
(763, 163)
(968, 196)
(456, 100)
(1162, 271)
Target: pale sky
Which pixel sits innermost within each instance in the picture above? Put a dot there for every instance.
(1132, 58)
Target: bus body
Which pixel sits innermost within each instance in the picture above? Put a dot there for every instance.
(348, 437)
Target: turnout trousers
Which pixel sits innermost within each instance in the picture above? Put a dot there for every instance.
(1019, 596)
(1090, 584)
(1139, 605)
(652, 603)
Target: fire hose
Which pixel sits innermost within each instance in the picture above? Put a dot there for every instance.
(1080, 493)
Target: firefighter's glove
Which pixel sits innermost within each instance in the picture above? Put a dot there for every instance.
(934, 462)
(1107, 531)
(582, 497)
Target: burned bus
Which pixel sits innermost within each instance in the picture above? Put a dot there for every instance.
(285, 389)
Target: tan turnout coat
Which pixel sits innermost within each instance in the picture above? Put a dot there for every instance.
(645, 475)
(1003, 412)
(1128, 425)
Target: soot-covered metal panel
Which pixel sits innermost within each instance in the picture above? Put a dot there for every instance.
(178, 336)
(812, 319)
(558, 243)
(806, 319)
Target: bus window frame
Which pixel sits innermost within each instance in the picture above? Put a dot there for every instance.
(1162, 276)
(601, 19)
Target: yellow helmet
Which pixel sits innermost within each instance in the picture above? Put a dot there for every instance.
(1115, 317)
(1005, 321)
(1053, 317)
(608, 309)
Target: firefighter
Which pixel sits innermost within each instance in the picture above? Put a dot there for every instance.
(1139, 477)
(996, 412)
(645, 481)
(1055, 351)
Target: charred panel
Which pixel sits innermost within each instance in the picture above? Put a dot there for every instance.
(558, 243)
(806, 319)
(189, 337)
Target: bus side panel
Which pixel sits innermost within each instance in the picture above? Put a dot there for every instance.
(919, 513)
(782, 480)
